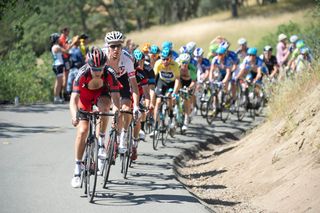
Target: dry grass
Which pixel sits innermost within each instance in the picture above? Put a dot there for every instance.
(290, 92)
(203, 30)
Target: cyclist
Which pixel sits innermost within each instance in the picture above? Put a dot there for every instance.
(270, 61)
(94, 85)
(168, 44)
(153, 55)
(242, 50)
(190, 47)
(221, 66)
(212, 51)
(142, 73)
(188, 77)
(203, 68)
(122, 62)
(303, 61)
(146, 50)
(252, 68)
(167, 73)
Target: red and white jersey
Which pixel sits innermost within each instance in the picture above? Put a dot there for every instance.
(125, 64)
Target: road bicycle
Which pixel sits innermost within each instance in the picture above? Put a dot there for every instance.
(179, 109)
(90, 159)
(160, 128)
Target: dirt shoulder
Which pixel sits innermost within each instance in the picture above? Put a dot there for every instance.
(275, 168)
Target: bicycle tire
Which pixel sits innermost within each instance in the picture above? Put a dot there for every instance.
(211, 112)
(92, 169)
(225, 107)
(126, 160)
(241, 103)
(164, 132)
(84, 172)
(156, 132)
(110, 158)
(203, 107)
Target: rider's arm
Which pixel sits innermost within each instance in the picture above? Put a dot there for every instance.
(73, 106)
(135, 91)
(228, 75)
(259, 74)
(212, 68)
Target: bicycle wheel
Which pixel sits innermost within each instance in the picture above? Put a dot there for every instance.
(156, 132)
(225, 107)
(110, 157)
(84, 172)
(164, 131)
(212, 106)
(241, 103)
(92, 168)
(203, 107)
(127, 155)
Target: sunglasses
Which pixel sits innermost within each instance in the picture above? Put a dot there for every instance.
(113, 46)
(96, 69)
(185, 62)
(165, 59)
(251, 55)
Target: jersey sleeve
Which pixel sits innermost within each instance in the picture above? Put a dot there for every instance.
(176, 70)
(156, 68)
(112, 81)
(128, 64)
(193, 72)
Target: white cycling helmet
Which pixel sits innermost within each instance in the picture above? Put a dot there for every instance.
(184, 58)
(114, 37)
(294, 38)
(242, 41)
(183, 49)
(225, 44)
(198, 52)
(191, 46)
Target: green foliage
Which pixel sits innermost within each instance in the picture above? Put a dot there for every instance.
(22, 77)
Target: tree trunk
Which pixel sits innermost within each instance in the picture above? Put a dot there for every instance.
(234, 8)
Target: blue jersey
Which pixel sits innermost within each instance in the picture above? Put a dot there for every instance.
(233, 56)
(175, 55)
(247, 65)
(222, 65)
(205, 65)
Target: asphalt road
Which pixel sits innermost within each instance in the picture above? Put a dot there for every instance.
(37, 161)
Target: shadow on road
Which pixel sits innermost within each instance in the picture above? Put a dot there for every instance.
(9, 130)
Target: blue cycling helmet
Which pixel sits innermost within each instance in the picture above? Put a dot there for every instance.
(252, 51)
(300, 44)
(165, 53)
(221, 50)
(138, 55)
(167, 44)
(154, 49)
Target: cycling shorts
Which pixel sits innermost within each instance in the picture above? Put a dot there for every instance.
(125, 92)
(58, 70)
(162, 87)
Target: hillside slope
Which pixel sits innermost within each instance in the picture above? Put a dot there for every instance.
(276, 168)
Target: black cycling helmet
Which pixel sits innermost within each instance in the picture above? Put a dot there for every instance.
(54, 37)
(96, 57)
